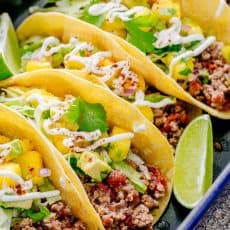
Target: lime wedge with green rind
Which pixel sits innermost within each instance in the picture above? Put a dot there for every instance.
(194, 162)
(9, 48)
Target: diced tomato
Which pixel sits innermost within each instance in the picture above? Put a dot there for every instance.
(116, 178)
(184, 119)
(156, 175)
(195, 87)
(103, 187)
(218, 98)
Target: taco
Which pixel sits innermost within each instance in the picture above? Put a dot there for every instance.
(214, 19)
(75, 45)
(192, 67)
(123, 161)
(35, 191)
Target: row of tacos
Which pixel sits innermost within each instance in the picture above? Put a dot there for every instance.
(78, 146)
(105, 167)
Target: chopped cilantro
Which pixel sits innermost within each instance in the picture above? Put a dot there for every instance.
(185, 72)
(73, 163)
(192, 45)
(204, 75)
(165, 50)
(38, 216)
(46, 115)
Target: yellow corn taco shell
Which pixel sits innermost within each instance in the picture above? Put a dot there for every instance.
(154, 148)
(213, 16)
(14, 125)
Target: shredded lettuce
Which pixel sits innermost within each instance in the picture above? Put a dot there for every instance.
(5, 218)
(154, 97)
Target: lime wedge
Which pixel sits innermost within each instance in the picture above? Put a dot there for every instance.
(9, 49)
(194, 162)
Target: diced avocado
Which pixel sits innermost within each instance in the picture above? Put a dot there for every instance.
(118, 150)
(93, 166)
(26, 204)
(132, 174)
(11, 167)
(16, 150)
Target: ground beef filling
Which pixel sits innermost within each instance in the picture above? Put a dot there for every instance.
(60, 218)
(213, 90)
(121, 206)
(172, 120)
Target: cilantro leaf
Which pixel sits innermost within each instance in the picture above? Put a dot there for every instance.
(192, 45)
(46, 114)
(168, 49)
(38, 216)
(73, 113)
(140, 39)
(92, 117)
(185, 72)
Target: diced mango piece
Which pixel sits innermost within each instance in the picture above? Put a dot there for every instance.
(4, 139)
(226, 52)
(58, 142)
(26, 145)
(35, 65)
(31, 164)
(118, 150)
(12, 167)
(74, 64)
(192, 27)
(183, 69)
(147, 112)
(168, 58)
(117, 27)
(132, 3)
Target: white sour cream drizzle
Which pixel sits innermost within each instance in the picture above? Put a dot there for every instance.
(114, 10)
(29, 196)
(5, 149)
(192, 53)
(52, 41)
(220, 8)
(25, 185)
(171, 36)
(100, 142)
(139, 128)
(141, 101)
(140, 163)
